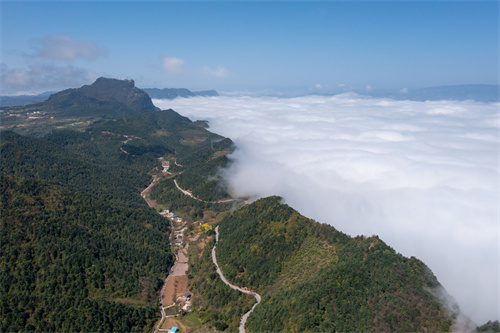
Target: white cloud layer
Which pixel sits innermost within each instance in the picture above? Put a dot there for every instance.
(62, 47)
(218, 72)
(172, 65)
(422, 175)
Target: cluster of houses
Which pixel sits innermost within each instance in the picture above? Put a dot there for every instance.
(179, 231)
(179, 235)
(184, 302)
(29, 115)
(171, 216)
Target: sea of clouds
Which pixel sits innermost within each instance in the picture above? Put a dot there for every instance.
(424, 176)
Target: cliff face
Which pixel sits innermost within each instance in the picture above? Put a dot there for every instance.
(123, 91)
(105, 90)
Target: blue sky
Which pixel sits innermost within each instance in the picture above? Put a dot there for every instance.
(235, 46)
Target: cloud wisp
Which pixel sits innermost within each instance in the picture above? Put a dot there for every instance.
(424, 176)
(172, 65)
(218, 72)
(66, 48)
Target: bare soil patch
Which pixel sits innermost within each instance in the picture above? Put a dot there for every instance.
(180, 269)
(195, 238)
(182, 257)
(176, 287)
(201, 245)
(169, 322)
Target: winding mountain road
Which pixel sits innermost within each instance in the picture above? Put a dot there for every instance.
(192, 196)
(223, 278)
(146, 191)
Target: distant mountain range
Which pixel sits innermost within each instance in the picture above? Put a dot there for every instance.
(171, 93)
(24, 99)
(486, 93)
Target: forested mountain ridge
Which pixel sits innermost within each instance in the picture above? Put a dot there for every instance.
(78, 108)
(315, 278)
(81, 250)
(198, 153)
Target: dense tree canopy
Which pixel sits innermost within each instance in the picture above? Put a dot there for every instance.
(76, 237)
(314, 278)
(81, 250)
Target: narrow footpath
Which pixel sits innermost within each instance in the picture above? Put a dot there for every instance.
(241, 328)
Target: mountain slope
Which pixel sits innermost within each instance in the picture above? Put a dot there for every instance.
(105, 99)
(315, 278)
(102, 96)
(81, 251)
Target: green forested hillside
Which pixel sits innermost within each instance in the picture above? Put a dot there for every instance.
(315, 278)
(220, 306)
(81, 249)
(166, 133)
(105, 99)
